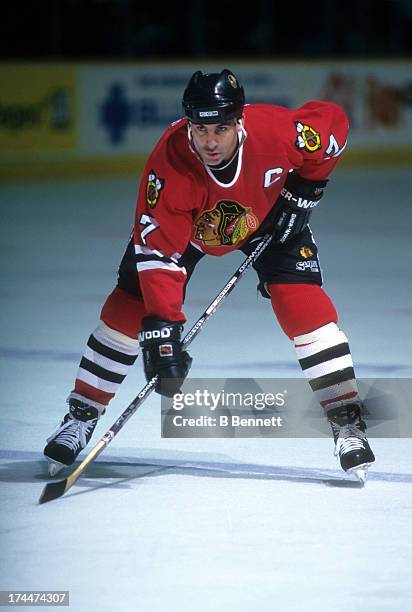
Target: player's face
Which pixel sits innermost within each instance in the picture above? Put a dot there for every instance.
(215, 142)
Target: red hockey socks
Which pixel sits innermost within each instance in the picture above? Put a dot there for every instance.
(106, 361)
(301, 308)
(325, 359)
(308, 316)
(111, 350)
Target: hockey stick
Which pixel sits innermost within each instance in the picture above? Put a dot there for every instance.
(53, 490)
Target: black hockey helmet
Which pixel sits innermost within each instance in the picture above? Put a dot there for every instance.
(213, 98)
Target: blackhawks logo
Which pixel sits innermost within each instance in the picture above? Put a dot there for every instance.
(306, 252)
(308, 138)
(154, 187)
(226, 224)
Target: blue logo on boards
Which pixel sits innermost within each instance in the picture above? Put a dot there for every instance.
(118, 112)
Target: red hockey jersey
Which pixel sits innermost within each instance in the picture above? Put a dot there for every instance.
(180, 201)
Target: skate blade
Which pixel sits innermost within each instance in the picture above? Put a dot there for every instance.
(54, 467)
(360, 472)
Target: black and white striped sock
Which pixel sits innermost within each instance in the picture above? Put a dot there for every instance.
(108, 357)
(326, 361)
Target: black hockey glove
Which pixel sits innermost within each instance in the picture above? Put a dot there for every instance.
(294, 206)
(163, 355)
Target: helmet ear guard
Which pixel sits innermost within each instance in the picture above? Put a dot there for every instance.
(213, 98)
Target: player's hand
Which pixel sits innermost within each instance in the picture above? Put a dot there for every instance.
(294, 207)
(163, 355)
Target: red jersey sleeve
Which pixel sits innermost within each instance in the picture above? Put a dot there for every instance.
(318, 136)
(162, 231)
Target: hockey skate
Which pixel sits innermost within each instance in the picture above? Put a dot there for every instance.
(72, 435)
(351, 444)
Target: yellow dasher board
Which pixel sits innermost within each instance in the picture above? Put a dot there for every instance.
(37, 108)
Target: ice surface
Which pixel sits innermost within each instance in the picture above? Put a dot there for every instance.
(205, 524)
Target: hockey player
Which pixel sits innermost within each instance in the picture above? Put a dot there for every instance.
(216, 181)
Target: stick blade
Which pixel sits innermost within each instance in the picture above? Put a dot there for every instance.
(53, 490)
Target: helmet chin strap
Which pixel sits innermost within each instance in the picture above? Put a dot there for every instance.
(241, 137)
